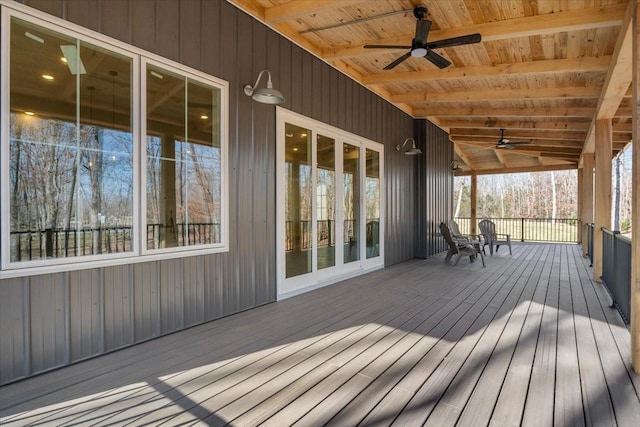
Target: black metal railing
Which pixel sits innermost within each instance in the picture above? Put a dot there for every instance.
(530, 229)
(62, 243)
(590, 227)
(616, 270)
(298, 233)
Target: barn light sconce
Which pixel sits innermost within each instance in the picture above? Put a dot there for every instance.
(454, 166)
(267, 95)
(413, 151)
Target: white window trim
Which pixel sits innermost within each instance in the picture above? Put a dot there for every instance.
(138, 56)
(288, 287)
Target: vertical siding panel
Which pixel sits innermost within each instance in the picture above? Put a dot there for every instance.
(48, 327)
(168, 29)
(307, 86)
(246, 107)
(229, 71)
(114, 19)
(296, 92)
(283, 81)
(263, 129)
(82, 12)
(193, 279)
(316, 92)
(190, 42)
(146, 308)
(210, 39)
(118, 322)
(85, 312)
(52, 7)
(143, 18)
(325, 95)
(14, 355)
(171, 296)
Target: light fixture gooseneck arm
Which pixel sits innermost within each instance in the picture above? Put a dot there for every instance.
(267, 95)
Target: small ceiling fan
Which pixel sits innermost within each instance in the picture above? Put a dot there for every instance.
(419, 46)
(505, 143)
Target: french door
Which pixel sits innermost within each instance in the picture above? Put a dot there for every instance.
(329, 204)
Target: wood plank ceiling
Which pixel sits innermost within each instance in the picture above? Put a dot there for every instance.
(544, 71)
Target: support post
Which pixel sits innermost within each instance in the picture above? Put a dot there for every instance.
(588, 160)
(602, 217)
(580, 198)
(635, 197)
(474, 204)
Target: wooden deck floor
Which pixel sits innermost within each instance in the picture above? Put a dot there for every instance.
(528, 340)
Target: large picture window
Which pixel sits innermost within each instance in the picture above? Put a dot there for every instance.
(105, 154)
(183, 160)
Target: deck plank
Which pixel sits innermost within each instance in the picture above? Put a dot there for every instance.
(528, 340)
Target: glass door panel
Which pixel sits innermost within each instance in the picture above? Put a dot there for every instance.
(351, 202)
(372, 199)
(298, 200)
(325, 201)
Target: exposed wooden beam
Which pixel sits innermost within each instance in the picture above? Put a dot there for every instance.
(518, 134)
(463, 155)
(490, 112)
(543, 124)
(501, 158)
(540, 168)
(499, 94)
(519, 68)
(492, 143)
(300, 8)
(619, 77)
(573, 20)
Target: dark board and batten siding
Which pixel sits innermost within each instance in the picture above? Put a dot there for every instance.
(52, 320)
(435, 187)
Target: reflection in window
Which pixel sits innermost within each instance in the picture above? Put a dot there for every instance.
(372, 198)
(184, 164)
(298, 201)
(71, 187)
(351, 205)
(325, 201)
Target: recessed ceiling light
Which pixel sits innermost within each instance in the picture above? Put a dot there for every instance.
(303, 135)
(63, 59)
(47, 77)
(295, 148)
(156, 75)
(30, 113)
(289, 135)
(204, 117)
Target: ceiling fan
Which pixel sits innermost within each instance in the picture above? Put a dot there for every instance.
(505, 143)
(419, 46)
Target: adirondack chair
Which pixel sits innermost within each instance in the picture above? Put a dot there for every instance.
(459, 248)
(476, 239)
(488, 230)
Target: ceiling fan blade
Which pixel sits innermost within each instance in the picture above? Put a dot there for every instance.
(385, 46)
(436, 59)
(422, 31)
(455, 41)
(398, 61)
(518, 142)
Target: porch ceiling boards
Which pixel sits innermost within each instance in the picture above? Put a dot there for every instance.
(529, 339)
(544, 71)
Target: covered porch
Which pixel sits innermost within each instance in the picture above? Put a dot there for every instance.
(527, 340)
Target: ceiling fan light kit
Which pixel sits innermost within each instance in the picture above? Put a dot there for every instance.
(420, 48)
(505, 143)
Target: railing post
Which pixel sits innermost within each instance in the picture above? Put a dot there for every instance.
(522, 229)
(48, 242)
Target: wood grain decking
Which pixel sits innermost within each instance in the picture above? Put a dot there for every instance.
(528, 340)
